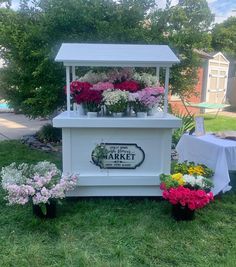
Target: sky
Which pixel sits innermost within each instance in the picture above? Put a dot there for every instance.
(221, 8)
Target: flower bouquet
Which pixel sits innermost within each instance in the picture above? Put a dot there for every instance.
(41, 184)
(87, 96)
(146, 99)
(187, 192)
(116, 91)
(116, 101)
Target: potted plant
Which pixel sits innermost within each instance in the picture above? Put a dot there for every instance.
(187, 192)
(91, 100)
(116, 101)
(41, 184)
(144, 100)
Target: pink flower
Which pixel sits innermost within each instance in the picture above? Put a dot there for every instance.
(194, 199)
(102, 86)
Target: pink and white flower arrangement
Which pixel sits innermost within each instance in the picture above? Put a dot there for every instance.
(37, 184)
(145, 92)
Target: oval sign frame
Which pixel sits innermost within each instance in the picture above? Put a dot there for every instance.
(116, 164)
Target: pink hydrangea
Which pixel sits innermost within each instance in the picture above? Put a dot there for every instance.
(102, 86)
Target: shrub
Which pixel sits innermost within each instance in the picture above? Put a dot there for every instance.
(48, 133)
(187, 125)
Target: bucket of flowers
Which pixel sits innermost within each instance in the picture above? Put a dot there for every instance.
(89, 97)
(145, 100)
(41, 185)
(188, 190)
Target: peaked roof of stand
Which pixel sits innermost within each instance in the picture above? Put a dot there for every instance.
(116, 55)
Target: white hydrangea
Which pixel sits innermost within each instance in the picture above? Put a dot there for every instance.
(111, 97)
(93, 77)
(146, 79)
(13, 174)
(43, 167)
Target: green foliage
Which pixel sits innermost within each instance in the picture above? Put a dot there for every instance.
(168, 181)
(224, 37)
(14, 151)
(99, 154)
(184, 27)
(31, 36)
(108, 232)
(188, 167)
(188, 124)
(48, 133)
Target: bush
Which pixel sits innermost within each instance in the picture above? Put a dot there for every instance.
(188, 124)
(48, 133)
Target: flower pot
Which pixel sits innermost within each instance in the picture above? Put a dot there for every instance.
(117, 114)
(92, 114)
(182, 213)
(50, 210)
(141, 114)
(159, 114)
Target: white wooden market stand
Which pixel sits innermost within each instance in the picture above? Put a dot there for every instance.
(140, 147)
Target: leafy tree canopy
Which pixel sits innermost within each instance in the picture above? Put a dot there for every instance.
(184, 27)
(224, 37)
(31, 36)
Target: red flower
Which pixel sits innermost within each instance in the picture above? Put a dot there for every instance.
(88, 96)
(194, 199)
(131, 86)
(77, 87)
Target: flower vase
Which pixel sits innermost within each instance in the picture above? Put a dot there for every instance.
(182, 213)
(50, 210)
(141, 114)
(117, 114)
(92, 114)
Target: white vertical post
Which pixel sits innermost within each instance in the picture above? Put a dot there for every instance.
(167, 74)
(158, 74)
(73, 73)
(68, 89)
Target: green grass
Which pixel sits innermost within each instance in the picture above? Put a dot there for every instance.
(113, 232)
(220, 123)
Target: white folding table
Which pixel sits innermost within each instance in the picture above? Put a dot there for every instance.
(218, 154)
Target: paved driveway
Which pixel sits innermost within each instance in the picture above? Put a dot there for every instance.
(14, 126)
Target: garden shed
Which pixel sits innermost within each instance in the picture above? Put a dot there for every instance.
(211, 88)
(141, 147)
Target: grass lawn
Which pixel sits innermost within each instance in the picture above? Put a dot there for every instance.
(221, 123)
(113, 232)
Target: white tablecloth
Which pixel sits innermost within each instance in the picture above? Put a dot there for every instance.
(218, 154)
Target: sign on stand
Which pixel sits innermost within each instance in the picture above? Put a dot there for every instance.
(118, 156)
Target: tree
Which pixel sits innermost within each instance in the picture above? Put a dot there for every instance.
(184, 27)
(224, 37)
(30, 38)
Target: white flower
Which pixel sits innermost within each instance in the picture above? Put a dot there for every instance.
(195, 180)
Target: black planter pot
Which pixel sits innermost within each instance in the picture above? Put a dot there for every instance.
(50, 210)
(182, 213)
